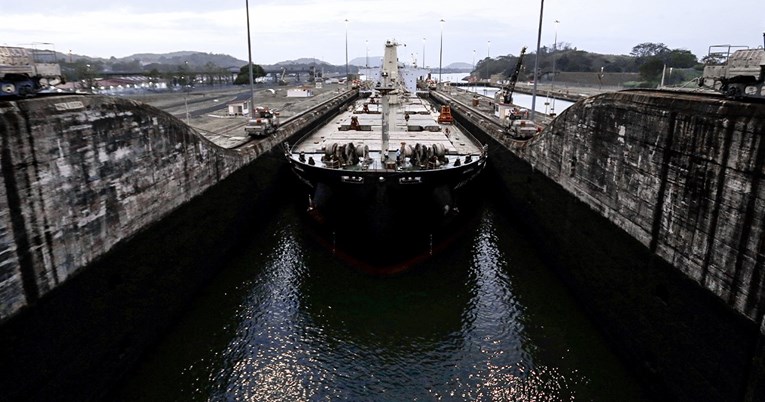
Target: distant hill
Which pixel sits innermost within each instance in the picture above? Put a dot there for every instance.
(374, 61)
(180, 58)
(197, 60)
(460, 66)
(303, 61)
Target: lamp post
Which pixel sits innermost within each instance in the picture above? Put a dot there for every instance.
(441, 51)
(552, 85)
(367, 62)
(423, 52)
(471, 72)
(88, 78)
(186, 90)
(536, 64)
(346, 53)
(249, 53)
(488, 57)
(600, 78)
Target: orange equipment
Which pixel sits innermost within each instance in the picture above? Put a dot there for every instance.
(446, 115)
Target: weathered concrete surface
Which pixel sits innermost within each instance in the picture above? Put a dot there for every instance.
(91, 323)
(82, 173)
(651, 207)
(681, 174)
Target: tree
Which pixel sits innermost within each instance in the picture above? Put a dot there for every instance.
(714, 58)
(244, 74)
(575, 60)
(680, 58)
(651, 69)
(648, 49)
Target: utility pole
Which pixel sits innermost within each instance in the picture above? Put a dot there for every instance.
(488, 57)
(346, 55)
(423, 52)
(555, 55)
(249, 53)
(536, 64)
(441, 51)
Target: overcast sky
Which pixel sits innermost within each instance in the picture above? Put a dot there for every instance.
(291, 29)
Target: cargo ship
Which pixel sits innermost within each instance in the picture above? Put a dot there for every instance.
(390, 160)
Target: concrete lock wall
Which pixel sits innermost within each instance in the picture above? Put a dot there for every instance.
(650, 207)
(97, 319)
(82, 173)
(681, 176)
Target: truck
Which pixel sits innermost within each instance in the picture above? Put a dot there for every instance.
(263, 122)
(25, 72)
(521, 129)
(737, 74)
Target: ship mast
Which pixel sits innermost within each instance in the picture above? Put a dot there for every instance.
(389, 77)
(384, 91)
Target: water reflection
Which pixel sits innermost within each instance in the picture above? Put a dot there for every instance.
(496, 360)
(288, 321)
(262, 360)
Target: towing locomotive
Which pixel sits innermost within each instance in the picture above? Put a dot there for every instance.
(738, 75)
(25, 72)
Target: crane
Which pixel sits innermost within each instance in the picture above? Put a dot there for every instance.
(281, 78)
(507, 91)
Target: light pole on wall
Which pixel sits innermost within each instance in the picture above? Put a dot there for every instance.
(346, 53)
(185, 90)
(423, 53)
(471, 72)
(249, 53)
(552, 85)
(441, 51)
(536, 63)
(488, 57)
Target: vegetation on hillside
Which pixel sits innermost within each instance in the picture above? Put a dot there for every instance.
(647, 59)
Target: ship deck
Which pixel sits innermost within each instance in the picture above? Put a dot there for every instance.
(422, 127)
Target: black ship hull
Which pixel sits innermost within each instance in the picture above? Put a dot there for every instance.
(387, 222)
(403, 189)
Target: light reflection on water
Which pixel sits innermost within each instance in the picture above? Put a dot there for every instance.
(287, 321)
